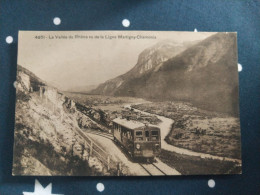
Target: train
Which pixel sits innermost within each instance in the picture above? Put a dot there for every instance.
(140, 141)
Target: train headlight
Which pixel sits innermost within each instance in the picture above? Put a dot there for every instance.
(138, 146)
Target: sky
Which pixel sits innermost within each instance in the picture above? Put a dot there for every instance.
(72, 59)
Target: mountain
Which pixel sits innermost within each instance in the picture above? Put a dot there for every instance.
(204, 74)
(150, 58)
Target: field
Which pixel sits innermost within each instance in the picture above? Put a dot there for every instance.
(199, 130)
(101, 100)
(104, 109)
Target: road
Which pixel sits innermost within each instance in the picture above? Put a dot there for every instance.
(133, 168)
(117, 155)
(165, 127)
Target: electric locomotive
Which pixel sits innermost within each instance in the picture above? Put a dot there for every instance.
(138, 139)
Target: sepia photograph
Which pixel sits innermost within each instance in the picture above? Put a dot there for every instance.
(126, 103)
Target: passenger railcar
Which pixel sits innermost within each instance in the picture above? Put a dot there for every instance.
(138, 139)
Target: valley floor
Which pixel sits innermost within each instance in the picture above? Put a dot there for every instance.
(45, 131)
(198, 157)
(165, 127)
(197, 132)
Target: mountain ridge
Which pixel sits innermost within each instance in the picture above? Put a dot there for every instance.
(148, 59)
(199, 74)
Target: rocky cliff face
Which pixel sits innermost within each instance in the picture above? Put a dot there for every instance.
(156, 55)
(24, 83)
(204, 74)
(45, 135)
(150, 58)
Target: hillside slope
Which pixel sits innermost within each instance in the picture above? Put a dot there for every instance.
(205, 74)
(151, 58)
(46, 141)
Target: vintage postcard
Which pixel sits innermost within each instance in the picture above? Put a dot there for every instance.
(126, 103)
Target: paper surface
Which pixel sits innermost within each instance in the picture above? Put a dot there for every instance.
(117, 103)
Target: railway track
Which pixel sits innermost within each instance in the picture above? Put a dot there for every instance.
(152, 169)
(100, 133)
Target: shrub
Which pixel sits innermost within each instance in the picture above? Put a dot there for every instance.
(178, 136)
(22, 96)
